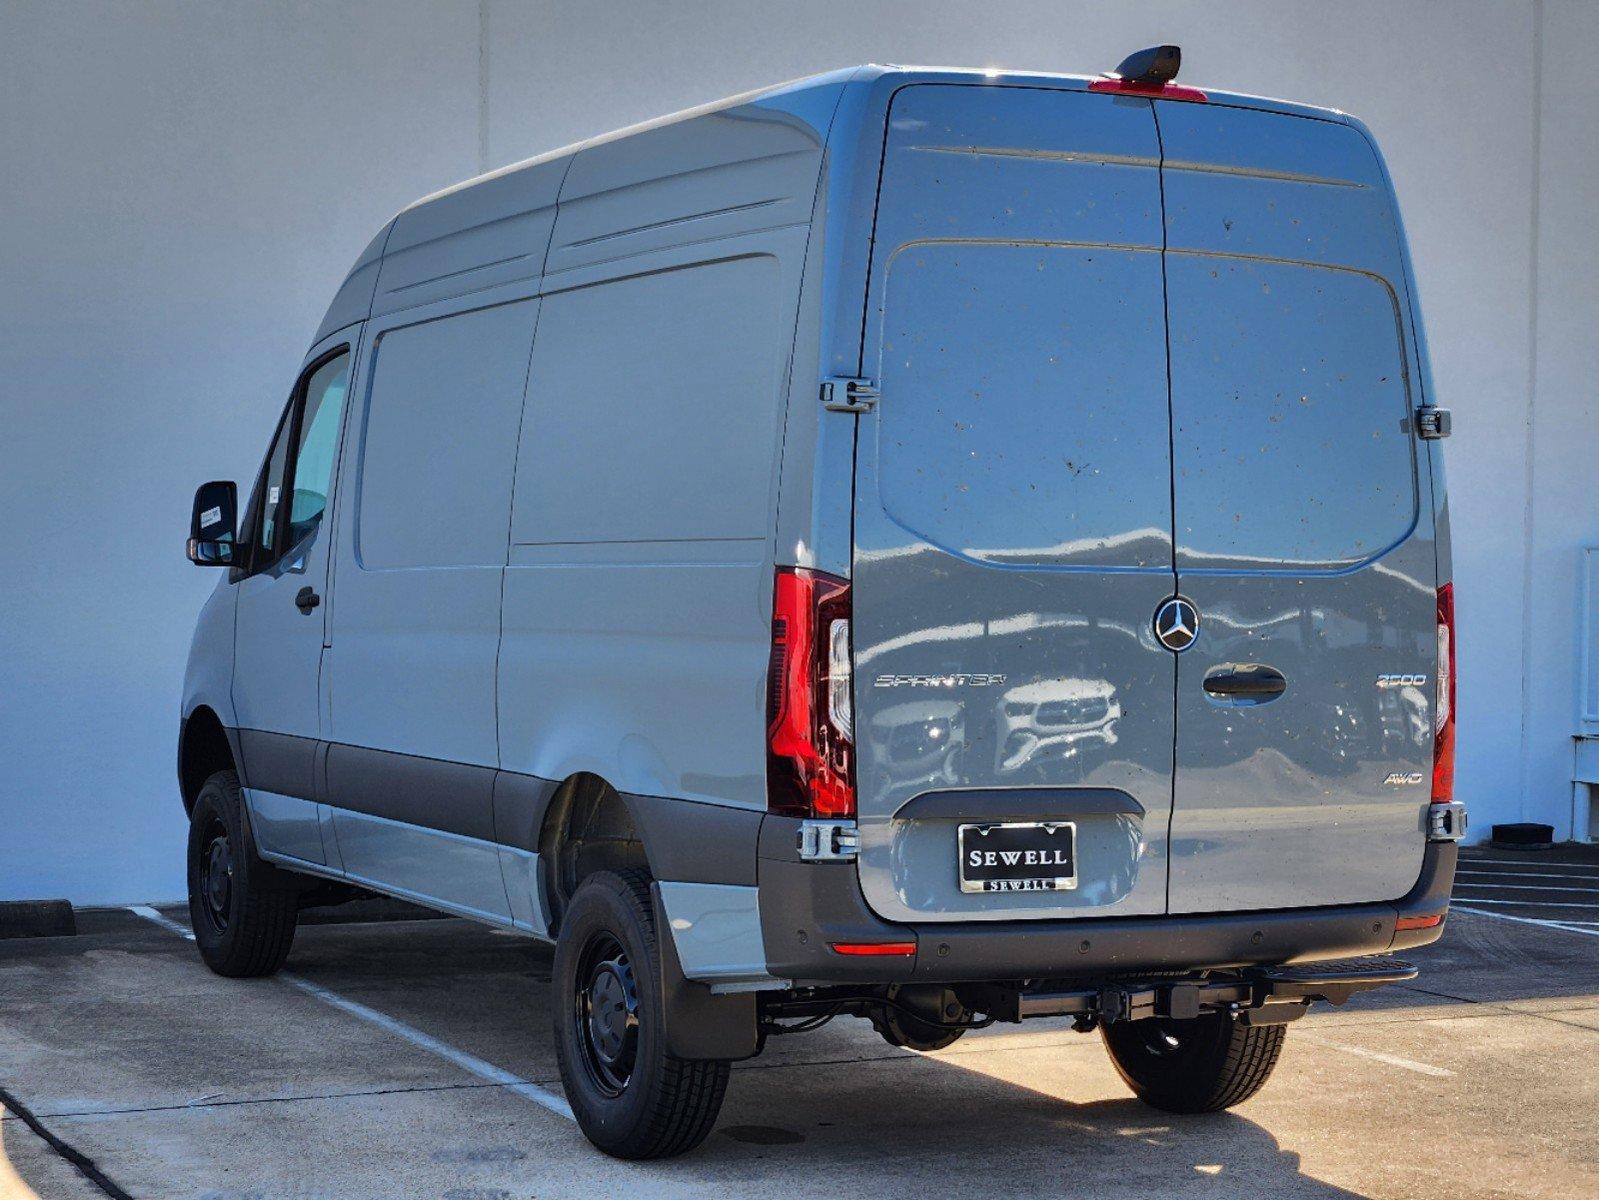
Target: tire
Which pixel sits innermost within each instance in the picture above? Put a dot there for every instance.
(1195, 1066)
(631, 1098)
(242, 908)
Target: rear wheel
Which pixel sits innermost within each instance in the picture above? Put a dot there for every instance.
(243, 909)
(630, 1097)
(1193, 1066)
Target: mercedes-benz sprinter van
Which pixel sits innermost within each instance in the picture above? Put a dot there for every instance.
(934, 546)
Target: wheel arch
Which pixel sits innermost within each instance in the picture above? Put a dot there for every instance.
(588, 826)
(205, 746)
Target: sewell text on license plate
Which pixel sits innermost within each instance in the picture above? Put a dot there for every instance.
(1018, 856)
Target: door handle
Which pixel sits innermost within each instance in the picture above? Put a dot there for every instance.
(1245, 681)
(307, 600)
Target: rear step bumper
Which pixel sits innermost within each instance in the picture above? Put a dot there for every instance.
(807, 907)
(1255, 995)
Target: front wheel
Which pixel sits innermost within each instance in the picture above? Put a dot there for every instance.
(243, 909)
(631, 1098)
(1200, 1065)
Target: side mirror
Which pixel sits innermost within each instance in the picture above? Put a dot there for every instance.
(214, 527)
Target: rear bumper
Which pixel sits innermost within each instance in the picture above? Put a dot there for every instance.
(806, 907)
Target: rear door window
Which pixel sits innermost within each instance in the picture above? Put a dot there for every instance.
(1290, 415)
(1024, 418)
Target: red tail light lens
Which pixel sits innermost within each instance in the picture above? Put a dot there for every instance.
(874, 949)
(1443, 747)
(1156, 91)
(810, 755)
(1428, 922)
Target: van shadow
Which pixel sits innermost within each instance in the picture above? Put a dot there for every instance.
(939, 1126)
(1002, 1112)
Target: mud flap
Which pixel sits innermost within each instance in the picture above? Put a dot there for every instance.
(700, 1024)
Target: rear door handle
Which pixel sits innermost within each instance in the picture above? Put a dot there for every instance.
(1245, 681)
(306, 600)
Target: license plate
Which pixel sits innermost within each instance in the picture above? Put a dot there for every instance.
(1020, 856)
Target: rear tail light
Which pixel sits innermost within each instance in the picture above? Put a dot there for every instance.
(1443, 747)
(810, 754)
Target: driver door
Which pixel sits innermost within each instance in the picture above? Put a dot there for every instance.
(282, 609)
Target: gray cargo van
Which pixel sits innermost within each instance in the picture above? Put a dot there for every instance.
(933, 546)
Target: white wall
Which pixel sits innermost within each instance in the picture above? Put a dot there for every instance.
(183, 186)
(1561, 426)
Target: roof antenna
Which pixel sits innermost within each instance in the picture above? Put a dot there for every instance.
(1154, 66)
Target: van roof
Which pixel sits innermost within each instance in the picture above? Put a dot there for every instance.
(893, 75)
(812, 102)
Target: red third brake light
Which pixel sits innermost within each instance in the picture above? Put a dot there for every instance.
(810, 758)
(1443, 747)
(1155, 91)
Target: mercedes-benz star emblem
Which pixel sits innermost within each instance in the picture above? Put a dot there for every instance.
(1177, 624)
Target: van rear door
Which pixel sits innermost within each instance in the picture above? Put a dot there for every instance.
(1013, 510)
(1301, 536)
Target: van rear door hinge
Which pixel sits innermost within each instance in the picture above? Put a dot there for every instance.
(849, 394)
(1432, 422)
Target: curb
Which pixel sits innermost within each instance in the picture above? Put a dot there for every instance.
(36, 918)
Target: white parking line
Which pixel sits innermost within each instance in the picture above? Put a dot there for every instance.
(1593, 879)
(1467, 863)
(1535, 903)
(1528, 887)
(469, 1063)
(1569, 927)
(1393, 1060)
(171, 926)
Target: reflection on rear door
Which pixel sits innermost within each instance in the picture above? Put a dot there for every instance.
(1299, 533)
(1013, 513)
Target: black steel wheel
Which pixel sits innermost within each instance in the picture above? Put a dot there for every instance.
(1200, 1065)
(216, 875)
(607, 1015)
(631, 1098)
(242, 908)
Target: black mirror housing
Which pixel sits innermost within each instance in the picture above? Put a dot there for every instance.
(214, 525)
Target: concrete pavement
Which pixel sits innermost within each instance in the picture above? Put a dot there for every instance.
(1478, 1080)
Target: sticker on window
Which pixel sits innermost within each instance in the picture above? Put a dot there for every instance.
(272, 495)
(210, 517)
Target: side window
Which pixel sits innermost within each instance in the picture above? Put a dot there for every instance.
(292, 493)
(317, 444)
(267, 504)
